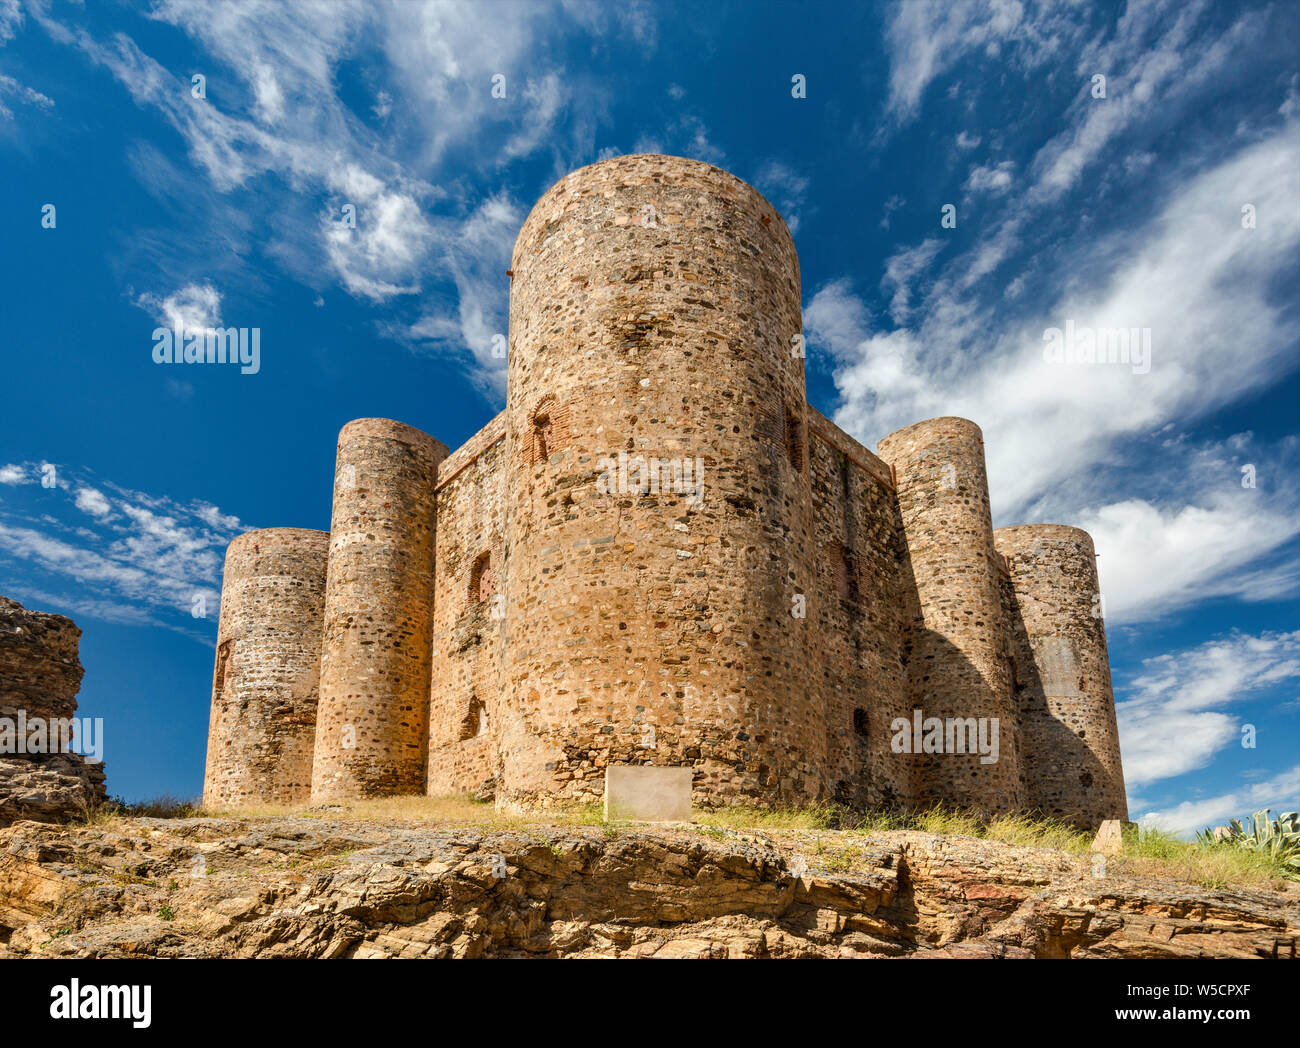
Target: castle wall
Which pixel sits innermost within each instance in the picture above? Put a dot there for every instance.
(658, 553)
(372, 727)
(653, 308)
(1066, 706)
(957, 652)
(468, 623)
(862, 616)
(264, 690)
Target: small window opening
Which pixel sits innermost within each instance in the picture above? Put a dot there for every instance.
(482, 579)
(794, 441)
(541, 449)
(475, 721)
(223, 664)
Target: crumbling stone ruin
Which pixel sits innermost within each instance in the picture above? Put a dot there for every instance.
(660, 553)
(40, 674)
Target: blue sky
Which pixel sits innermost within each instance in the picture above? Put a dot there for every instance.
(226, 210)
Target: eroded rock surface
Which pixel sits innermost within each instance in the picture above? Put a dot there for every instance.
(40, 673)
(331, 887)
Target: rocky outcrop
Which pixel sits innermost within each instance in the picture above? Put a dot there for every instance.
(51, 788)
(40, 673)
(325, 886)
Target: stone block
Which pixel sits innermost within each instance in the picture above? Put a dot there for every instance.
(1110, 837)
(648, 793)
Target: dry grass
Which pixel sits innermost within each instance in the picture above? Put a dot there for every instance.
(1149, 853)
(1152, 853)
(419, 810)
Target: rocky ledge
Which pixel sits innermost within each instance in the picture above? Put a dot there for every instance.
(329, 887)
(49, 788)
(40, 673)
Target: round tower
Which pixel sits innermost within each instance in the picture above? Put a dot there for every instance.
(1069, 739)
(264, 684)
(658, 505)
(957, 662)
(376, 648)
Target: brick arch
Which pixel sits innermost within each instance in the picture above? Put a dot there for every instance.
(548, 430)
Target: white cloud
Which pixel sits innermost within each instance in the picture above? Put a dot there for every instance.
(477, 255)
(543, 100)
(1154, 560)
(195, 307)
(146, 564)
(380, 255)
(926, 38)
(93, 502)
(15, 474)
(991, 178)
(1280, 793)
(11, 17)
(967, 141)
(1202, 285)
(901, 272)
(430, 70)
(1174, 715)
(28, 96)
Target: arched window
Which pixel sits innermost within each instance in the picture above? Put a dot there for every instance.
(541, 438)
(482, 579)
(223, 664)
(475, 721)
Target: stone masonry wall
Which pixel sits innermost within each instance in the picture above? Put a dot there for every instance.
(1063, 688)
(958, 651)
(659, 553)
(372, 728)
(467, 624)
(862, 618)
(267, 669)
(653, 308)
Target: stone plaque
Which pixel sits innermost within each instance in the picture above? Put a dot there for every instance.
(642, 791)
(1057, 667)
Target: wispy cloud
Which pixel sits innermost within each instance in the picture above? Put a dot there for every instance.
(1204, 286)
(1176, 712)
(352, 193)
(1278, 793)
(122, 555)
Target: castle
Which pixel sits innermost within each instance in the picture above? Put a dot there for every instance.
(660, 553)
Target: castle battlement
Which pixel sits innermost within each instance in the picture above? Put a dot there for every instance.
(659, 553)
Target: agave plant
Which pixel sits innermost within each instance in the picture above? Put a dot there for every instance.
(1278, 839)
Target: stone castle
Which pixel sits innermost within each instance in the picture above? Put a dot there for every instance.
(660, 553)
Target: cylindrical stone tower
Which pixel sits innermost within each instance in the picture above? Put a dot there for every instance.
(957, 652)
(657, 493)
(1070, 742)
(374, 672)
(264, 684)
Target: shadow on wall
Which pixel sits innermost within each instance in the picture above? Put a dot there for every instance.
(958, 779)
(1063, 777)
